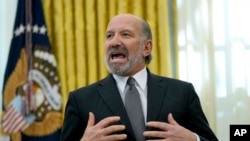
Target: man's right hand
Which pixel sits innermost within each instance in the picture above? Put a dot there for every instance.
(103, 130)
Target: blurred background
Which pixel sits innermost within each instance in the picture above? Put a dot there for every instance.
(205, 42)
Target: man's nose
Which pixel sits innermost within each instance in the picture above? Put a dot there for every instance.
(115, 41)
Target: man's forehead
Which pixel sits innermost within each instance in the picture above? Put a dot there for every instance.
(123, 19)
(123, 22)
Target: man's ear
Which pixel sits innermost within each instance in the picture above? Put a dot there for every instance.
(147, 48)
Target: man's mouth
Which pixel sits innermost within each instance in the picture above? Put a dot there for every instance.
(118, 57)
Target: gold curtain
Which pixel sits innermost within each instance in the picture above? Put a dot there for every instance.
(76, 30)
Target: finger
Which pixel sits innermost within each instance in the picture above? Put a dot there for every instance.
(159, 140)
(108, 121)
(155, 134)
(171, 119)
(91, 120)
(116, 137)
(159, 125)
(113, 129)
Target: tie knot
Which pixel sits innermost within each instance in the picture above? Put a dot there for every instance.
(131, 81)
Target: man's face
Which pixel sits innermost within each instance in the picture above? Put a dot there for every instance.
(124, 46)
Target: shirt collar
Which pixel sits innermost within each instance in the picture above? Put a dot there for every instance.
(140, 77)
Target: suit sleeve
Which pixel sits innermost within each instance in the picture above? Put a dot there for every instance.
(197, 121)
(73, 125)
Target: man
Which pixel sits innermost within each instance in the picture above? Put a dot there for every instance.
(171, 108)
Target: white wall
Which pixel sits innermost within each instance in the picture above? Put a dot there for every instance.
(7, 16)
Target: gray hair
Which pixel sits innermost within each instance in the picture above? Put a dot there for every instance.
(146, 35)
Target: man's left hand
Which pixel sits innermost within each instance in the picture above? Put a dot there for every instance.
(170, 131)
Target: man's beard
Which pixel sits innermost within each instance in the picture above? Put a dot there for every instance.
(130, 65)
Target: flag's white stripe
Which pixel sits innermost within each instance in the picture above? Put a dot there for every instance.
(13, 121)
(9, 113)
(21, 126)
(7, 123)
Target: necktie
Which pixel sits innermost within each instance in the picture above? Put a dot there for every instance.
(134, 109)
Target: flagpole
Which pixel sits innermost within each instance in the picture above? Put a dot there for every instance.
(29, 100)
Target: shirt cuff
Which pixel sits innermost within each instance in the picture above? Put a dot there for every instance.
(197, 137)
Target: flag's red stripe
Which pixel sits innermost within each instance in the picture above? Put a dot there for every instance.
(8, 123)
(13, 121)
(8, 112)
(16, 121)
(21, 126)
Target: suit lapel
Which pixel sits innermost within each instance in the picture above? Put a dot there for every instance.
(110, 94)
(156, 90)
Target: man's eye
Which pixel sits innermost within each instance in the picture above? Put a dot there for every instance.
(108, 36)
(126, 34)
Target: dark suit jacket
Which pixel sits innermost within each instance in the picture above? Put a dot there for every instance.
(165, 95)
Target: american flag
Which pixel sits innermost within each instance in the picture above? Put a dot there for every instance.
(14, 121)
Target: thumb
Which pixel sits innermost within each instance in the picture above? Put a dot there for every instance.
(171, 119)
(91, 120)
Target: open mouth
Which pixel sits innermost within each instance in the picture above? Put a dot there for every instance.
(118, 57)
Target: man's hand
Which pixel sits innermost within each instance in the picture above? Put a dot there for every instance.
(103, 130)
(170, 131)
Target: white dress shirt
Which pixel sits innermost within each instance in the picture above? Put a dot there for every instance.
(141, 84)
